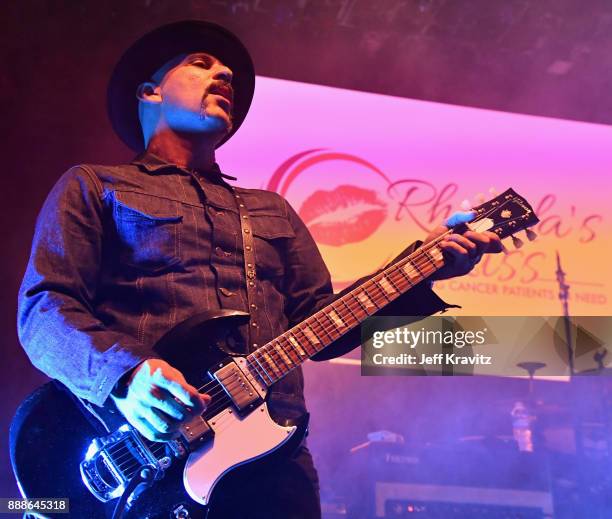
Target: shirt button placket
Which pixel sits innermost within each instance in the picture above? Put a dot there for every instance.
(222, 229)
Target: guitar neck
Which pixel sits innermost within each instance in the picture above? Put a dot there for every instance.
(286, 352)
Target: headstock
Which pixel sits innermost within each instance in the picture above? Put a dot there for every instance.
(505, 215)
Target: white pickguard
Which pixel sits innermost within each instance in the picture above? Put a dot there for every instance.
(236, 441)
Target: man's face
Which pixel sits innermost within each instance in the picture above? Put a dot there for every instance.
(195, 94)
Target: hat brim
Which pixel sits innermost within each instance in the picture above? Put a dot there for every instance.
(139, 63)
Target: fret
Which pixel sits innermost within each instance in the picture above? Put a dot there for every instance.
(403, 271)
(390, 279)
(412, 272)
(428, 257)
(367, 303)
(437, 256)
(289, 348)
(322, 327)
(336, 319)
(416, 267)
(331, 331)
(255, 354)
(376, 285)
(279, 363)
(386, 285)
(297, 346)
(351, 313)
(271, 362)
(309, 334)
(256, 373)
(429, 268)
(360, 304)
(278, 347)
(254, 369)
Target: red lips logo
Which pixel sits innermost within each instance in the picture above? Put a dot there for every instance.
(345, 214)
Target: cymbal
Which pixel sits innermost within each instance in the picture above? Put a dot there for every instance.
(531, 367)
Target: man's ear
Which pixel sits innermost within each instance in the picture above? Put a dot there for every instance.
(148, 92)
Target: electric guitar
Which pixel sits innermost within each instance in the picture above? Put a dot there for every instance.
(63, 447)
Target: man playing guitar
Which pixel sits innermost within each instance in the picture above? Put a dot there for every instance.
(123, 253)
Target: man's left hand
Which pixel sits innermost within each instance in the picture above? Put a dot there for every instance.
(462, 252)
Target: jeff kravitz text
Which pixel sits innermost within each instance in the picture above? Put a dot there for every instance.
(434, 342)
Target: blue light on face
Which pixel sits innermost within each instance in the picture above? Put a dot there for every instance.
(192, 121)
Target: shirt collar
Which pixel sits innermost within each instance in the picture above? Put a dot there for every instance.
(154, 164)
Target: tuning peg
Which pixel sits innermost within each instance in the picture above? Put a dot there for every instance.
(493, 191)
(517, 242)
(530, 234)
(480, 198)
(465, 205)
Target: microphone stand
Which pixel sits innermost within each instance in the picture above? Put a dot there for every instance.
(582, 477)
(564, 297)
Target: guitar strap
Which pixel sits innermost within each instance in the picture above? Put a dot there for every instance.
(251, 284)
(248, 247)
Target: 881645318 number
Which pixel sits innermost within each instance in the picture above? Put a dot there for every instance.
(40, 505)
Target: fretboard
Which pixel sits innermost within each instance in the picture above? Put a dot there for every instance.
(274, 360)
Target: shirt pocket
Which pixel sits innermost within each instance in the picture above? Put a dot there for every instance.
(270, 235)
(148, 230)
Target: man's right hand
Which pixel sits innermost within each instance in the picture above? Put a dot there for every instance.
(156, 399)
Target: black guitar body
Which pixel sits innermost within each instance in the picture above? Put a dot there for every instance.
(52, 430)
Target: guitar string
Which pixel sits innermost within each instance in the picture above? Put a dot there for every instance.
(134, 464)
(415, 257)
(352, 307)
(118, 448)
(324, 328)
(419, 254)
(377, 299)
(327, 328)
(222, 403)
(119, 456)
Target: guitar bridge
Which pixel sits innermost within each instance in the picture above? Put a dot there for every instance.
(112, 461)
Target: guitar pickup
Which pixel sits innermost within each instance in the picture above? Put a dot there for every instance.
(237, 386)
(194, 432)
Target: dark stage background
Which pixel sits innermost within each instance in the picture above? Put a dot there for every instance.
(545, 57)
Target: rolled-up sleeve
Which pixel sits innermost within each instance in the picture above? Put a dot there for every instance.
(56, 319)
(309, 289)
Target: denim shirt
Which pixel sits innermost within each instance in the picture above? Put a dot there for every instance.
(123, 253)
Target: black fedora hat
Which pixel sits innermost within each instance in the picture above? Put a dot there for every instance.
(157, 47)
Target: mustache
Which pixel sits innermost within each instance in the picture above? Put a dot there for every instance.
(222, 88)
